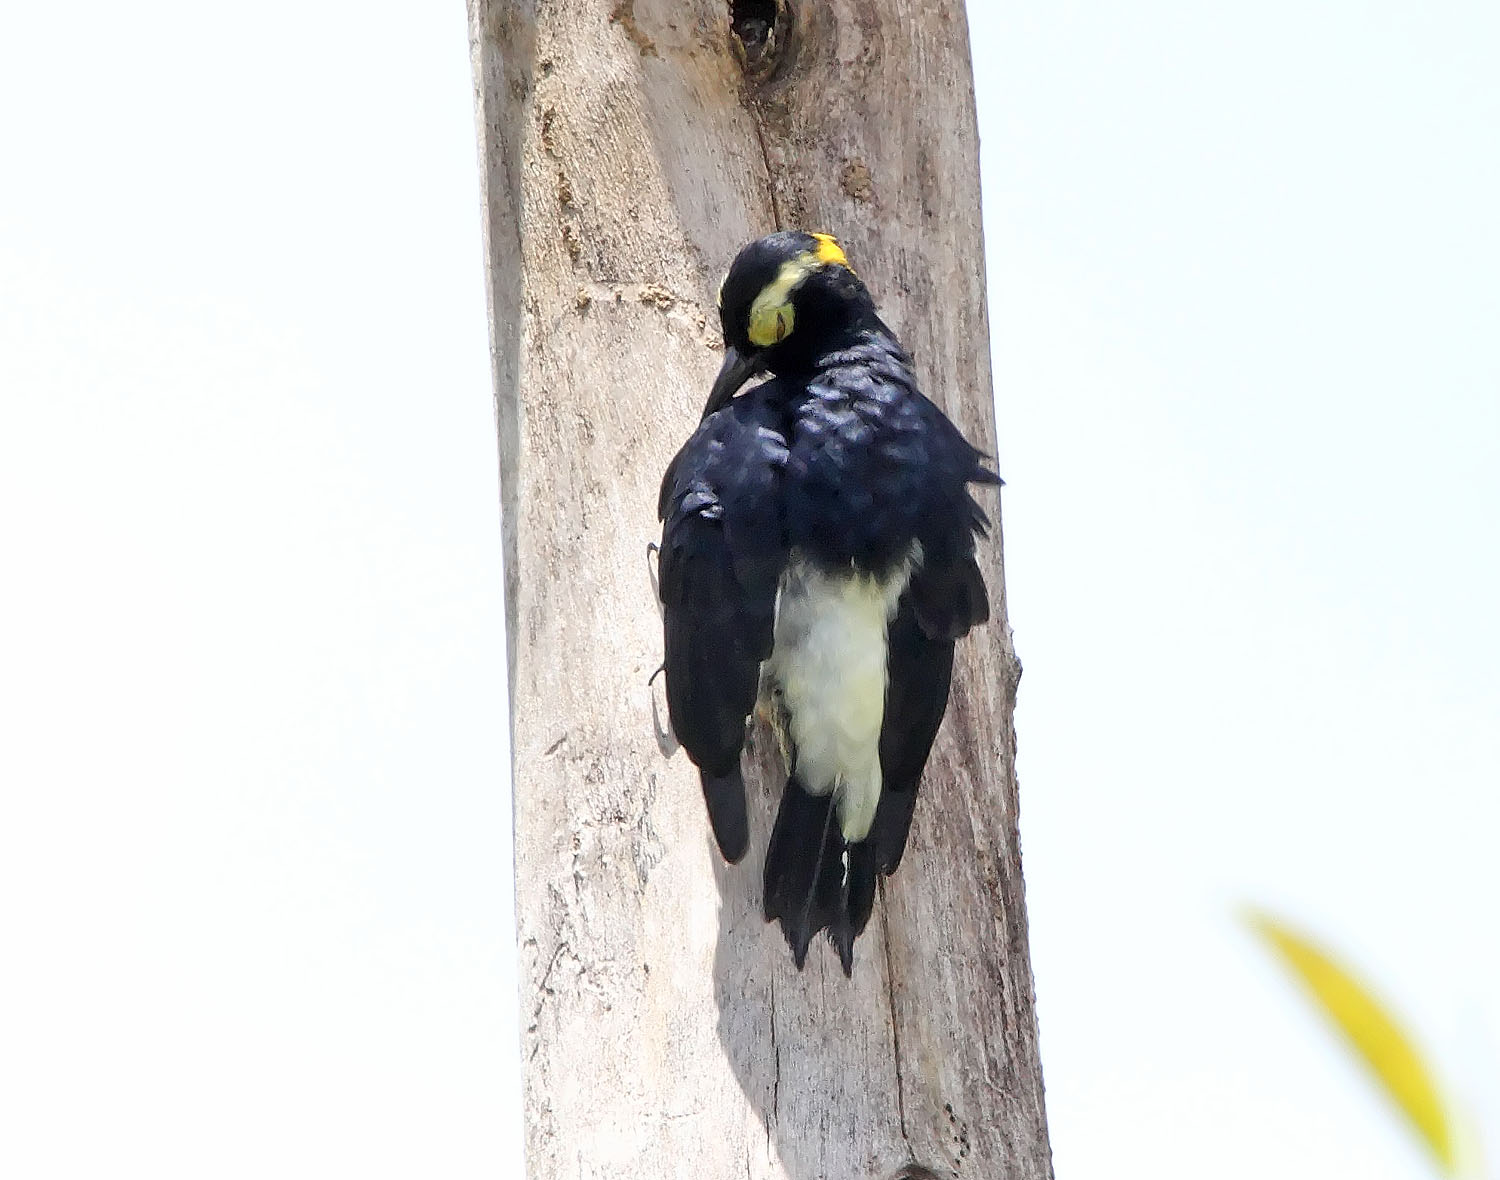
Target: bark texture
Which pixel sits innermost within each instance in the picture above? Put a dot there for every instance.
(629, 149)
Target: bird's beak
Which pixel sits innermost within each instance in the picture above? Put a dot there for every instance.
(733, 373)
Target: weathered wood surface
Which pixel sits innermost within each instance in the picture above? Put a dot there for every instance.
(629, 149)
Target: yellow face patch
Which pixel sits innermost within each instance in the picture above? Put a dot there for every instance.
(771, 315)
(770, 323)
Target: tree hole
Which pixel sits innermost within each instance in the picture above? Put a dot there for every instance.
(761, 32)
(913, 1172)
(753, 22)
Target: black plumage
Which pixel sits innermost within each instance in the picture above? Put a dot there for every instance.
(800, 509)
(723, 550)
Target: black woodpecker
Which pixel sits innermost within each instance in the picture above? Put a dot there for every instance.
(818, 553)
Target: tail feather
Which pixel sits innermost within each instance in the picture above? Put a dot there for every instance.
(856, 900)
(815, 879)
(725, 796)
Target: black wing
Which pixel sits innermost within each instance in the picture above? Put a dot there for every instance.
(723, 550)
(944, 599)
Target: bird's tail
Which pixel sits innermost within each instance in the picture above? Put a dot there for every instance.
(815, 879)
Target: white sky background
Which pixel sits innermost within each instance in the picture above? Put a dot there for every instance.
(255, 847)
(253, 841)
(1245, 297)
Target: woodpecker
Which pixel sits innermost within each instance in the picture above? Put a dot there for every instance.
(817, 554)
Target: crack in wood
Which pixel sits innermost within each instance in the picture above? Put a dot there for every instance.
(776, 1076)
(765, 155)
(890, 994)
(541, 986)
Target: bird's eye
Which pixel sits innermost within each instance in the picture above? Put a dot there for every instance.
(770, 322)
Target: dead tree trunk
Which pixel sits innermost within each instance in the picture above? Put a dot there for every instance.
(630, 147)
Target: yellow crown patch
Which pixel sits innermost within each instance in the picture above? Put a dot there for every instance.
(829, 251)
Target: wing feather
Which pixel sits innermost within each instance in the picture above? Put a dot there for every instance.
(723, 550)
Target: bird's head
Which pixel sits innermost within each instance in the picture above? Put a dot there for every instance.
(787, 297)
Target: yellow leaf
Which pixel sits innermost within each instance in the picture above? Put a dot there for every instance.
(1371, 1031)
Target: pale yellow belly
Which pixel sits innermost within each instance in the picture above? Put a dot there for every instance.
(829, 663)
